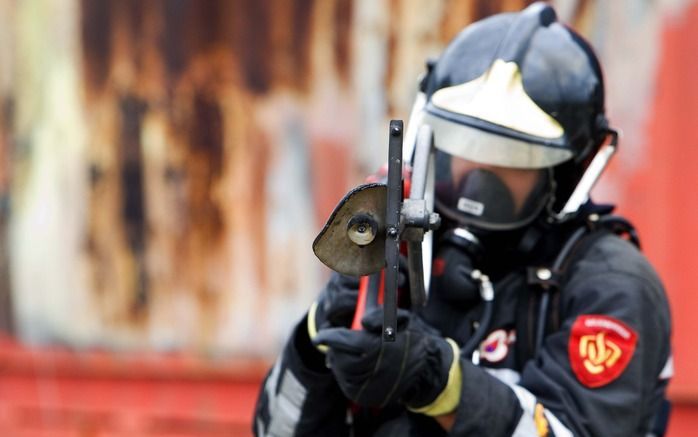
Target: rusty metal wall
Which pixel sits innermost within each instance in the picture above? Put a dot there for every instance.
(165, 165)
(169, 162)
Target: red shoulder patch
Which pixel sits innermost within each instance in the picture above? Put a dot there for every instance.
(600, 349)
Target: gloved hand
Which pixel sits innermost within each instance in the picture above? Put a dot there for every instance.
(419, 369)
(451, 277)
(452, 293)
(335, 306)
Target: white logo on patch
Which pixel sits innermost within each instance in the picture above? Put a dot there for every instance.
(496, 346)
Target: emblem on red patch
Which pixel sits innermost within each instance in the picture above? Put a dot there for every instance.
(600, 348)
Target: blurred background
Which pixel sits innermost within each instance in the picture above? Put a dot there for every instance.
(166, 164)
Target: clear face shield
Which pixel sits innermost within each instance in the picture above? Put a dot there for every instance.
(490, 197)
(488, 181)
(496, 148)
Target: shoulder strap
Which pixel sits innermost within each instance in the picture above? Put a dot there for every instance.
(538, 311)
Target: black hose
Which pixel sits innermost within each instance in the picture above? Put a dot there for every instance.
(545, 298)
(480, 332)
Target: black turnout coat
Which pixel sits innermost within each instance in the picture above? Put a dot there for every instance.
(601, 370)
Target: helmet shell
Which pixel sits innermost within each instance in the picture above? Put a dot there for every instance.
(518, 90)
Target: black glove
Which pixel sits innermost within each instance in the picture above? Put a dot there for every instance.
(335, 306)
(452, 282)
(419, 369)
(452, 294)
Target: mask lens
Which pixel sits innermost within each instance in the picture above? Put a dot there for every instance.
(487, 196)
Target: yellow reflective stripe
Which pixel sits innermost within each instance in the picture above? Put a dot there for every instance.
(449, 398)
(312, 328)
(540, 421)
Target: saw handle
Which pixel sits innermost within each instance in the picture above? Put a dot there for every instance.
(371, 289)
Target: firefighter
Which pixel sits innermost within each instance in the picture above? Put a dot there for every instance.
(574, 339)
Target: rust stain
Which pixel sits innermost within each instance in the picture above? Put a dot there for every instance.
(395, 7)
(132, 201)
(300, 28)
(204, 168)
(6, 123)
(133, 15)
(96, 27)
(485, 8)
(459, 14)
(251, 44)
(115, 234)
(290, 32)
(206, 135)
(342, 38)
(7, 116)
(176, 43)
(515, 5)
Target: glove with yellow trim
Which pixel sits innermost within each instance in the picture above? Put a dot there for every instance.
(419, 369)
(335, 306)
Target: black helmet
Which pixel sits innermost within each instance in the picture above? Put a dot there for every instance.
(514, 97)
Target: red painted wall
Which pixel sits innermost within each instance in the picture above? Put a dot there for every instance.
(661, 198)
(55, 392)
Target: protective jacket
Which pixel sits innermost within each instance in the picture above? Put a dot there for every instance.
(601, 368)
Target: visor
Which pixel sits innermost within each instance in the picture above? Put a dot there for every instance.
(484, 147)
(492, 120)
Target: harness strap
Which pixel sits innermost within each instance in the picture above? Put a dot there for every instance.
(539, 310)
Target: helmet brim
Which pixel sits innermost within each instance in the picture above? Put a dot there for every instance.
(489, 144)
